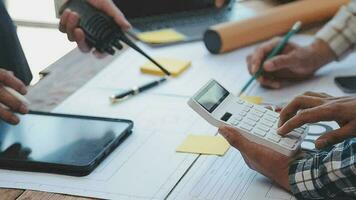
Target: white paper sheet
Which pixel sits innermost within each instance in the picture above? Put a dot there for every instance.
(230, 69)
(146, 165)
(228, 178)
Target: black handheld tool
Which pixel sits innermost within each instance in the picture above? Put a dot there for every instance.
(136, 90)
(102, 32)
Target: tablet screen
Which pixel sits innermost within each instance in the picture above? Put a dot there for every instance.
(58, 139)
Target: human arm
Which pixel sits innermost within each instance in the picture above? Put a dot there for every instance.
(328, 174)
(333, 42)
(323, 175)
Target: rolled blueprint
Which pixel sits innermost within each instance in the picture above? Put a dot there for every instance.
(232, 35)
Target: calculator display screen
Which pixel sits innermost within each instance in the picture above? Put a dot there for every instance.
(212, 96)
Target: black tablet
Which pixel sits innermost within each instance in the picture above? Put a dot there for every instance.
(58, 143)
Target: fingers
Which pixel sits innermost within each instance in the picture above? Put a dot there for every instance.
(8, 79)
(336, 136)
(8, 116)
(219, 3)
(317, 94)
(99, 55)
(72, 23)
(112, 10)
(300, 102)
(10, 101)
(7, 99)
(69, 23)
(79, 37)
(63, 20)
(234, 138)
(254, 61)
(312, 115)
(247, 148)
(270, 83)
(280, 62)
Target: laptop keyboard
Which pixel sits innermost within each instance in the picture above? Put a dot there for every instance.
(206, 17)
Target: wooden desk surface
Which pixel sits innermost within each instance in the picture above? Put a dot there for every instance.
(62, 79)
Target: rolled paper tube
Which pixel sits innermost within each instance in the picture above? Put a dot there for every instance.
(232, 35)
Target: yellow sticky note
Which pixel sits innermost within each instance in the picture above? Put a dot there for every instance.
(204, 144)
(174, 66)
(161, 36)
(252, 99)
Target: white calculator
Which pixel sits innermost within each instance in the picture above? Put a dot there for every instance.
(258, 124)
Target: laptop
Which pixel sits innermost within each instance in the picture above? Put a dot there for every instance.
(188, 17)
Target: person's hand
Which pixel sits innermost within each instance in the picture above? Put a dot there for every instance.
(9, 103)
(219, 3)
(259, 158)
(315, 107)
(294, 64)
(69, 23)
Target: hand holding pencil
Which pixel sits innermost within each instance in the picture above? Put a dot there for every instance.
(294, 63)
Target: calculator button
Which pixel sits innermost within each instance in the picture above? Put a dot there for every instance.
(253, 117)
(299, 130)
(275, 125)
(257, 113)
(243, 113)
(288, 142)
(262, 127)
(237, 118)
(250, 122)
(245, 127)
(271, 119)
(294, 134)
(249, 105)
(259, 132)
(274, 137)
(246, 109)
(267, 123)
(260, 109)
(274, 128)
(273, 114)
(235, 122)
(239, 101)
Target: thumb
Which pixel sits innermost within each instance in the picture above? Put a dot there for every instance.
(234, 138)
(336, 136)
(279, 62)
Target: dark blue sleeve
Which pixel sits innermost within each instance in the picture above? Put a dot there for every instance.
(12, 57)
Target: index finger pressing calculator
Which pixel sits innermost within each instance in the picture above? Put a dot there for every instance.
(220, 108)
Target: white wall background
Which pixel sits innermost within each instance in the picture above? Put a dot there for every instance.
(42, 46)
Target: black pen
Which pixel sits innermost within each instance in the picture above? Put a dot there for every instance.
(136, 90)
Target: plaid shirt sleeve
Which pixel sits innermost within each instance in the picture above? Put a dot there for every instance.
(327, 174)
(340, 32)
